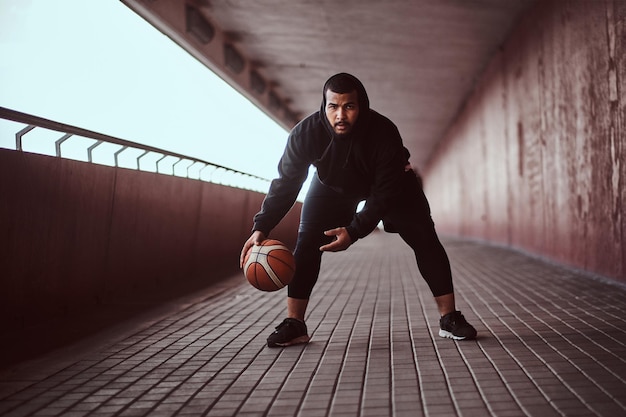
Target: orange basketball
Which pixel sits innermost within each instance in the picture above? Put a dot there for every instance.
(269, 266)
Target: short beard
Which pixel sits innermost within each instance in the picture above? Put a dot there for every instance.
(343, 135)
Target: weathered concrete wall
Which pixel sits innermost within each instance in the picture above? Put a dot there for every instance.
(537, 158)
(75, 235)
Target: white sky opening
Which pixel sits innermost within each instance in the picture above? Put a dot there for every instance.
(99, 66)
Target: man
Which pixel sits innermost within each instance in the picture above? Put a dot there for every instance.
(359, 155)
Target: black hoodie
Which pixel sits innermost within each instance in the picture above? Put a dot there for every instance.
(367, 163)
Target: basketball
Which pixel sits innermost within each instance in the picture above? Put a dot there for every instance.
(269, 266)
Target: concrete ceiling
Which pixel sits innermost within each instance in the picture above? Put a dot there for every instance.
(418, 59)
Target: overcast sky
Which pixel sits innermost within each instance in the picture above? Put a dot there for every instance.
(97, 65)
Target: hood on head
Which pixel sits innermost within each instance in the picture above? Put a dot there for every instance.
(345, 83)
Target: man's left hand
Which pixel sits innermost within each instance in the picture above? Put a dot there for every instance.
(342, 240)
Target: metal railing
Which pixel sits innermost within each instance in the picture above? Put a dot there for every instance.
(206, 171)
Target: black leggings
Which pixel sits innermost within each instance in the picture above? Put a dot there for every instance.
(325, 208)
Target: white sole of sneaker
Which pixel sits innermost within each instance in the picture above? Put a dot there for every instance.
(447, 334)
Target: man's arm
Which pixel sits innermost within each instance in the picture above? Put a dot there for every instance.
(293, 169)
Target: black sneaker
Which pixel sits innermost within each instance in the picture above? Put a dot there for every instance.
(454, 326)
(289, 332)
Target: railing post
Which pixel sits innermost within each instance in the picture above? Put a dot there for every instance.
(159, 160)
(91, 148)
(18, 136)
(119, 152)
(174, 166)
(141, 156)
(57, 144)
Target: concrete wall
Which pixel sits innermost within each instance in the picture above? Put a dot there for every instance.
(75, 235)
(537, 158)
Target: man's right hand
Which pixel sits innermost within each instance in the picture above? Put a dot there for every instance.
(256, 238)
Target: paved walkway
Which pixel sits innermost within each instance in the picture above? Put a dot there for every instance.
(551, 343)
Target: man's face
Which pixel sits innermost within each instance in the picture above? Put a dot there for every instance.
(342, 110)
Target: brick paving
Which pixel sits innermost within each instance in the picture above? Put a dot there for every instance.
(552, 342)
